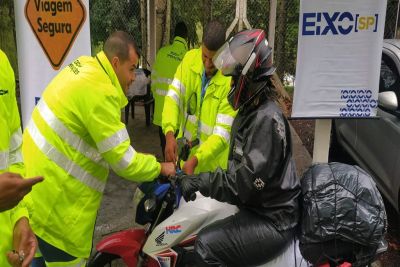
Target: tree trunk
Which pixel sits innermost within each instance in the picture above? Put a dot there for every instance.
(280, 37)
(167, 25)
(161, 8)
(143, 30)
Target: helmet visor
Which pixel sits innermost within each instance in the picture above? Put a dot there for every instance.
(225, 62)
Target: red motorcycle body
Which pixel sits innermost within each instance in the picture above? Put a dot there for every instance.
(127, 244)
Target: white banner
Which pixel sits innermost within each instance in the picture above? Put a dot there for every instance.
(50, 35)
(338, 58)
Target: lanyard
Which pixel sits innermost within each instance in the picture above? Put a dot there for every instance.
(204, 84)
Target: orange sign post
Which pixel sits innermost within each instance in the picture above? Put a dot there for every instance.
(55, 24)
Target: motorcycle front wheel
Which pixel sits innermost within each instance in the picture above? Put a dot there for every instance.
(105, 259)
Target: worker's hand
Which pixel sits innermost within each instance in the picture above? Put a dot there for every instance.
(24, 243)
(171, 148)
(189, 186)
(13, 188)
(168, 169)
(190, 165)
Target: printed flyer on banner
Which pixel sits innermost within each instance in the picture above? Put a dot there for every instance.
(338, 58)
(50, 35)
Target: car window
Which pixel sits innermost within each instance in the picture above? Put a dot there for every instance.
(389, 77)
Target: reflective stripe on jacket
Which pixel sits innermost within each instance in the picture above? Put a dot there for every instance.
(212, 123)
(10, 130)
(10, 152)
(167, 60)
(74, 135)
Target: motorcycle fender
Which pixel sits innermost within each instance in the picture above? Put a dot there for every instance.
(126, 244)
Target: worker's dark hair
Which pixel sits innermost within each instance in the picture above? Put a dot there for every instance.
(181, 30)
(214, 35)
(117, 44)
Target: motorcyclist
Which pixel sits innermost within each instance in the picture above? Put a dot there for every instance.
(260, 178)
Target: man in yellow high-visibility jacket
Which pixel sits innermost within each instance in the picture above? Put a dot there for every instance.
(197, 79)
(74, 135)
(15, 231)
(167, 60)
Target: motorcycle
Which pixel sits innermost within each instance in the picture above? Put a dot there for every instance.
(170, 242)
(167, 239)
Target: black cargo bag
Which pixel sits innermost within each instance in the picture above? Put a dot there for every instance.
(343, 215)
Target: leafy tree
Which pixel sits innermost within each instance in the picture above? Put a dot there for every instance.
(107, 16)
(7, 33)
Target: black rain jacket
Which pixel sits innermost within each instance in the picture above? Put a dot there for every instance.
(261, 174)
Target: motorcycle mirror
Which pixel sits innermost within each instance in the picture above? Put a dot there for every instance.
(149, 204)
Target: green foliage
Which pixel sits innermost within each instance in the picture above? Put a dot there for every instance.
(196, 13)
(289, 89)
(258, 14)
(107, 16)
(7, 28)
(189, 13)
(223, 11)
(290, 37)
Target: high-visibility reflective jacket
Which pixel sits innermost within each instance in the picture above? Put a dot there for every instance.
(213, 116)
(74, 135)
(10, 128)
(7, 221)
(167, 60)
(10, 152)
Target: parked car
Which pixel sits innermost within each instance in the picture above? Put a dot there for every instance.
(374, 144)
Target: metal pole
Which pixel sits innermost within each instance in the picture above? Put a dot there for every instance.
(322, 138)
(245, 21)
(240, 26)
(235, 20)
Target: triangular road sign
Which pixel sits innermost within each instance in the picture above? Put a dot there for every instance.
(55, 25)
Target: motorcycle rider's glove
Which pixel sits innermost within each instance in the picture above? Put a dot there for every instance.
(189, 185)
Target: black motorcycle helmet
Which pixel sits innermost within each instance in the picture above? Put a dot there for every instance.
(247, 58)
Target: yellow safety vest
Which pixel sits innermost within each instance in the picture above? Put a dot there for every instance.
(10, 152)
(213, 118)
(167, 60)
(74, 135)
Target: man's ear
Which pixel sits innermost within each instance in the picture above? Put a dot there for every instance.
(115, 62)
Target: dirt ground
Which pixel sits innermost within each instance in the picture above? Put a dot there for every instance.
(305, 130)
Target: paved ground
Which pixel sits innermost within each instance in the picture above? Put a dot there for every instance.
(117, 209)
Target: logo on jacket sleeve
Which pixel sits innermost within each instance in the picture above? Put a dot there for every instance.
(258, 183)
(3, 91)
